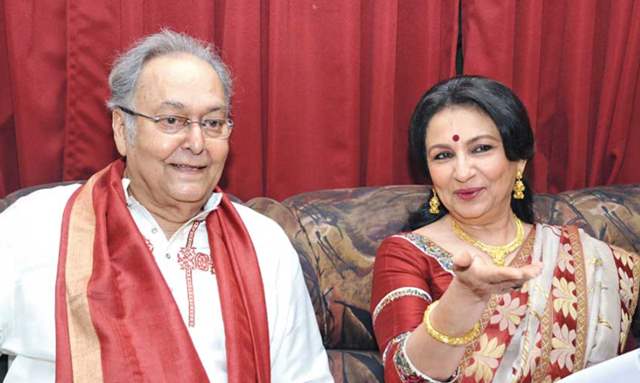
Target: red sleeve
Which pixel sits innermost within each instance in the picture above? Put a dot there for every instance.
(413, 278)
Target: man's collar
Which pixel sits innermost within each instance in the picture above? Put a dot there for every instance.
(211, 204)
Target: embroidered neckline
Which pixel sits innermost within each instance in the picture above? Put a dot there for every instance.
(430, 248)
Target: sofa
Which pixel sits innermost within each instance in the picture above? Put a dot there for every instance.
(336, 233)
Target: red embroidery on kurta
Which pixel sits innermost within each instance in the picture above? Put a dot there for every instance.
(149, 245)
(189, 259)
(202, 262)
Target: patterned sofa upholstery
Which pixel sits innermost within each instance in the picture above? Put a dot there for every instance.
(336, 233)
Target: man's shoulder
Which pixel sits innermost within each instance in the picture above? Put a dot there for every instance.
(42, 201)
(251, 217)
(30, 227)
(264, 231)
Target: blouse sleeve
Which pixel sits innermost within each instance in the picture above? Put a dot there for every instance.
(406, 280)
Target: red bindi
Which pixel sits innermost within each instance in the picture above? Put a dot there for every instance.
(455, 137)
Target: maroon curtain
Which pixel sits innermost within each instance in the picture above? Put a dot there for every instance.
(323, 89)
(576, 65)
(8, 162)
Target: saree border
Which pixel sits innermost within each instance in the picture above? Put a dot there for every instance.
(581, 293)
(541, 374)
(86, 357)
(546, 321)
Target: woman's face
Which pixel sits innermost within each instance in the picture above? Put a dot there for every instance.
(469, 169)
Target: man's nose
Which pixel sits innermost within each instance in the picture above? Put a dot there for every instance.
(194, 139)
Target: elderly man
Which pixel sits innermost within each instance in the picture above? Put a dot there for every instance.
(148, 273)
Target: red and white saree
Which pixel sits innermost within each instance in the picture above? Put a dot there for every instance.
(576, 313)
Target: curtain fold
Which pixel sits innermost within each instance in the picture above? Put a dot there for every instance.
(8, 161)
(576, 65)
(323, 89)
(36, 57)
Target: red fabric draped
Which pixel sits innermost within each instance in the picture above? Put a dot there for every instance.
(129, 307)
(323, 90)
(8, 161)
(576, 65)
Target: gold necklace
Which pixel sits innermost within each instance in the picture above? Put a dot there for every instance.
(498, 254)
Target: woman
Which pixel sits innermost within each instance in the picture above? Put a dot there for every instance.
(478, 292)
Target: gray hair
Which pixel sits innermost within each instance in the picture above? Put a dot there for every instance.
(127, 67)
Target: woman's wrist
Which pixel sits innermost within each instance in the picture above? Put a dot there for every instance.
(451, 340)
(458, 311)
(463, 294)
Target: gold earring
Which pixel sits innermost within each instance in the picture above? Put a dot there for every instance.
(518, 187)
(434, 204)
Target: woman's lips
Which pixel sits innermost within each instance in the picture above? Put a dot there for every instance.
(468, 193)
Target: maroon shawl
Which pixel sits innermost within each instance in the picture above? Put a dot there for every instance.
(116, 320)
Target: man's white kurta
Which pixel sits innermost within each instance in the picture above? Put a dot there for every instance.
(29, 247)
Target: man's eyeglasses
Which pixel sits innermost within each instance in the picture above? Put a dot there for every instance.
(172, 124)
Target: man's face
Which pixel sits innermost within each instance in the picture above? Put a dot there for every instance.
(167, 170)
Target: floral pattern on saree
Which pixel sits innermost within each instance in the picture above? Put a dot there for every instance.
(500, 320)
(628, 266)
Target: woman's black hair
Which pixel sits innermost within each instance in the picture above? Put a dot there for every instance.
(505, 110)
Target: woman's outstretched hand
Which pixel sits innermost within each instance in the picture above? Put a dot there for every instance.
(481, 277)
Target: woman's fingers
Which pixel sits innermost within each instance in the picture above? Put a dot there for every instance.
(482, 277)
(462, 261)
(511, 278)
(505, 287)
(532, 270)
(497, 274)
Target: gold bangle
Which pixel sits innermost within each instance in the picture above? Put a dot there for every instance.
(463, 340)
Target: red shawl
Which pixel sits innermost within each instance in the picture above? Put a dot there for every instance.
(116, 320)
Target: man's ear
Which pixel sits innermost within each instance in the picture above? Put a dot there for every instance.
(119, 132)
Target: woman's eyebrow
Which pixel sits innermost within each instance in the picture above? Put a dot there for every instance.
(483, 136)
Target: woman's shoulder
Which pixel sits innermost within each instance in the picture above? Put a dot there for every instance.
(405, 241)
(587, 240)
(568, 231)
(421, 238)
(417, 245)
(625, 258)
(594, 250)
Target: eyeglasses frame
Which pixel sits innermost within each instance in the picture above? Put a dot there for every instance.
(187, 122)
